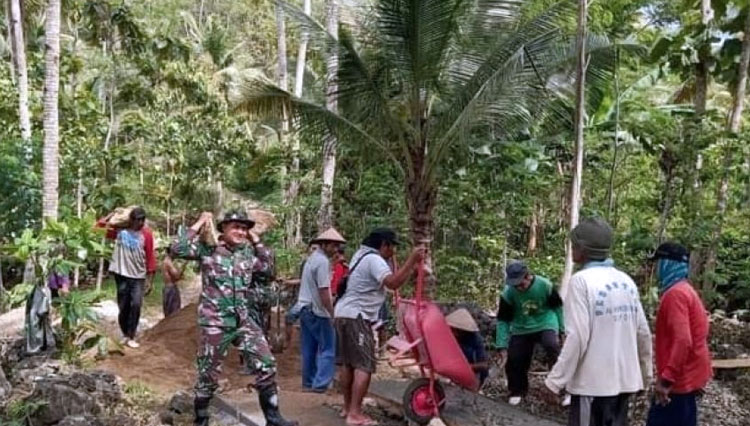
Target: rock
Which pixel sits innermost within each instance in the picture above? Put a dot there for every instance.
(166, 417)
(77, 394)
(106, 386)
(181, 402)
(62, 401)
(11, 323)
(5, 386)
(31, 369)
(80, 421)
(119, 420)
(107, 310)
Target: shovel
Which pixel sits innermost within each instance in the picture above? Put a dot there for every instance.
(277, 338)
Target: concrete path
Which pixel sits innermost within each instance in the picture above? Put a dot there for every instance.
(463, 408)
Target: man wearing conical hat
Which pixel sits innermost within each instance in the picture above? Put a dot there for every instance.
(318, 338)
(467, 334)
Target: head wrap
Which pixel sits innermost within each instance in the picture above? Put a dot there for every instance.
(670, 272)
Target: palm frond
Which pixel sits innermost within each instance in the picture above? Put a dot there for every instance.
(474, 72)
(514, 68)
(416, 34)
(263, 99)
(355, 79)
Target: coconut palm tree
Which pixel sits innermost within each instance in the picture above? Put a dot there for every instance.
(325, 213)
(50, 152)
(19, 65)
(424, 76)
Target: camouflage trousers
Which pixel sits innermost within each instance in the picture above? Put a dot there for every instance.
(214, 345)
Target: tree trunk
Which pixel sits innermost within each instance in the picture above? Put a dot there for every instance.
(18, 47)
(616, 145)
(2, 284)
(420, 202)
(79, 214)
(701, 87)
(325, 214)
(50, 153)
(733, 125)
(666, 207)
(580, 113)
(531, 244)
(100, 271)
(200, 13)
(9, 37)
(702, 67)
(299, 78)
(289, 226)
(294, 184)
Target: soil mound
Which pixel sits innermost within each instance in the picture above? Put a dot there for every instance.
(166, 358)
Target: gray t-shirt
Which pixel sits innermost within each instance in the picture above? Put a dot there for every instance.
(365, 293)
(315, 275)
(129, 255)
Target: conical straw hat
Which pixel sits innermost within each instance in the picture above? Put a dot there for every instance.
(329, 235)
(462, 320)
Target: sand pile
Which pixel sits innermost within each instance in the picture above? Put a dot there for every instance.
(166, 358)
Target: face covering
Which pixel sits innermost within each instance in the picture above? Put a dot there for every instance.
(670, 272)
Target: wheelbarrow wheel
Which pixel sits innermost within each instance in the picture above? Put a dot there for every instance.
(419, 405)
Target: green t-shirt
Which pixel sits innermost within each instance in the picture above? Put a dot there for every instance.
(531, 311)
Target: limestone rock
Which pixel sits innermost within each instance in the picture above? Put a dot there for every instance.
(5, 386)
(62, 401)
(181, 402)
(80, 421)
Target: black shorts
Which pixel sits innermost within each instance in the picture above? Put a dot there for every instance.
(355, 344)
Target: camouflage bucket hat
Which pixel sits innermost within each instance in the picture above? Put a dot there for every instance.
(235, 216)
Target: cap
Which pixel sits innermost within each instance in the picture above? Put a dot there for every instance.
(672, 251)
(515, 272)
(385, 234)
(137, 213)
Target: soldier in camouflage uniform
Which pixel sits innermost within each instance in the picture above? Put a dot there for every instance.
(262, 295)
(227, 271)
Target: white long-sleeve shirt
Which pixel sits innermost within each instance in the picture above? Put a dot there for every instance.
(608, 346)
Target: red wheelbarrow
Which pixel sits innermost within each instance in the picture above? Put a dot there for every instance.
(426, 339)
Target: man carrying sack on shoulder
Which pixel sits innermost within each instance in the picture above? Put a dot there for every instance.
(133, 265)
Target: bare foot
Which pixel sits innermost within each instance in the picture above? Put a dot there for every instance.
(360, 420)
(344, 413)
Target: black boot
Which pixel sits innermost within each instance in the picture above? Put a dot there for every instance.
(201, 411)
(269, 402)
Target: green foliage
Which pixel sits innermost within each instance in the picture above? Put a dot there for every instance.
(59, 246)
(15, 297)
(485, 91)
(79, 329)
(19, 412)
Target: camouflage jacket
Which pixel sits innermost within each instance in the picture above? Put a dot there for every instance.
(227, 276)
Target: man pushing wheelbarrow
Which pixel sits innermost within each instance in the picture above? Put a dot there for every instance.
(357, 310)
